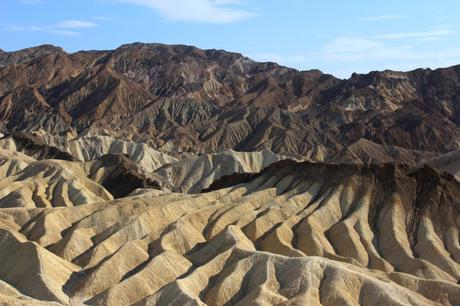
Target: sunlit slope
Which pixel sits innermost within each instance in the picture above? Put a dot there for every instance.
(297, 234)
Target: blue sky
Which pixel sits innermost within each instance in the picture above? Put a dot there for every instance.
(336, 36)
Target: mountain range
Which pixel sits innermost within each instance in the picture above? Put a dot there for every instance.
(184, 99)
(169, 175)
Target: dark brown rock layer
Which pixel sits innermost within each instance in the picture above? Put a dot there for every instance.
(208, 100)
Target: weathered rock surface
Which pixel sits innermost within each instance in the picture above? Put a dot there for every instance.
(26, 182)
(449, 163)
(296, 233)
(183, 99)
(193, 174)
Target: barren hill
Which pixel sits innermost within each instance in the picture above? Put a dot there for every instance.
(182, 98)
(296, 233)
(169, 175)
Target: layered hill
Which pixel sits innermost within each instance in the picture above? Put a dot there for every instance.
(26, 182)
(121, 166)
(296, 233)
(180, 98)
(193, 174)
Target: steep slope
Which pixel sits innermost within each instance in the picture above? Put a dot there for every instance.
(32, 269)
(121, 166)
(368, 152)
(449, 163)
(33, 146)
(181, 98)
(27, 182)
(88, 148)
(296, 233)
(85, 148)
(10, 296)
(120, 175)
(194, 173)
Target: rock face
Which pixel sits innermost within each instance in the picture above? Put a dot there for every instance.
(181, 98)
(33, 146)
(120, 175)
(296, 233)
(196, 173)
(449, 163)
(122, 166)
(26, 182)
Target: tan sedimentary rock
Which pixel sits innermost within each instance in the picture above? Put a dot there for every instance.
(49, 183)
(296, 233)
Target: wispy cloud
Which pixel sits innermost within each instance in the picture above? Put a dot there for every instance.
(42, 29)
(65, 27)
(289, 60)
(75, 24)
(102, 18)
(385, 17)
(381, 48)
(358, 49)
(345, 49)
(31, 1)
(346, 54)
(202, 11)
(445, 17)
(430, 35)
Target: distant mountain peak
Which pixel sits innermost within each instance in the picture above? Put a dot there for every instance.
(190, 99)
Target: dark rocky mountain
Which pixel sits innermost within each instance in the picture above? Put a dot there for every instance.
(181, 98)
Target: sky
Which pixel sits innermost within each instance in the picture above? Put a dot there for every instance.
(336, 36)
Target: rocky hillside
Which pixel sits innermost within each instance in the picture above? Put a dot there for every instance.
(169, 175)
(295, 233)
(180, 98)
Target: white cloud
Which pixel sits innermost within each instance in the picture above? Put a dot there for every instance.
(355, 49)
(433, 34)
(344, 55)
(444, 17)
(204, 11)
(385, 17)
(352, 45)
(102, 18)
(75, 24)
(65, 27)
(42, 29)
(31, 1)
(63, 32)
(290, 60)
(371, 50)
(358, 49)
